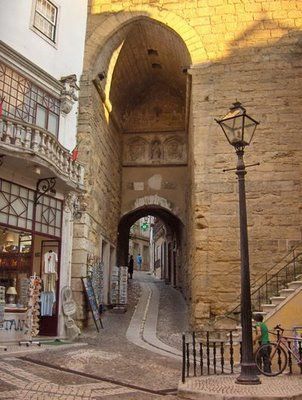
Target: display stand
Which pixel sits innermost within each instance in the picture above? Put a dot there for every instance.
(114, 292)
(118, 293)
(92, 302)
(33, 314)
(123, 287)
(96, 274)
(2, 310)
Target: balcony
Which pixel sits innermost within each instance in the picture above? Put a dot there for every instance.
(23, 140)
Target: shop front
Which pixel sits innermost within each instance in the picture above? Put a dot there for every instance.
(30, 252)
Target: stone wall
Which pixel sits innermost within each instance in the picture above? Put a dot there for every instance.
(241, 50)
(100, 149)
(267, 80)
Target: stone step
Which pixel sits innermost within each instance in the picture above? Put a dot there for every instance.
(268, 307)
(277, 299)
(286, 292)
(294, 285)
(260, 312)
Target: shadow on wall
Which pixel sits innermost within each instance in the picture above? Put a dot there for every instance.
(262, 72)
(267, 79)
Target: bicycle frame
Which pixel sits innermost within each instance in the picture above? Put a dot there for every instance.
(283, 341)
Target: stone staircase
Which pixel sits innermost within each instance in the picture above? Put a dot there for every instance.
(273, 290)
(268, 309)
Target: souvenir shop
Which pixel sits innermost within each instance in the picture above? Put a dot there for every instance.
(30, 245)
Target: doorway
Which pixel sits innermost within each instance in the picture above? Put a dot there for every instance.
(49, 301)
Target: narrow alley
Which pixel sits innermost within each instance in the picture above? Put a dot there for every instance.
(135, 356)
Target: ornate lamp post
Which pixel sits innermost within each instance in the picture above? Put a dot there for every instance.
(239, 129)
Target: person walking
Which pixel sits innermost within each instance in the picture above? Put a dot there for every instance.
(139, 261)
(262, 336)
(130, 266)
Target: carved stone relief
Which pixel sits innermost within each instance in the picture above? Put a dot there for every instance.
(173, 148)
(153, 149)
(152, 200)
(135, 150)
(69, 93)
(74, 204)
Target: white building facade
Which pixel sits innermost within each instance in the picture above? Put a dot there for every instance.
(41, 60)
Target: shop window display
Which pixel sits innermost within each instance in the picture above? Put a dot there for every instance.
(30, 248)
(15, 264)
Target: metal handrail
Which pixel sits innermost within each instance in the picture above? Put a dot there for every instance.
(268, 278)
(278, 262)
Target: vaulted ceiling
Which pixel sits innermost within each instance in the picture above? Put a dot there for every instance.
(150, 55)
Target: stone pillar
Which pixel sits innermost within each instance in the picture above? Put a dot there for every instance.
(106, 261)
(65, 268)
(79, 265)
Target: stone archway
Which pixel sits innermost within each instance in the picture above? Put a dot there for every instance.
(139, 151)
(128, 220)
(173, 225)
(110, 25)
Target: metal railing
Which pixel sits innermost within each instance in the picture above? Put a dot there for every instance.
(217, 353)
(271, 282)
(207, 353)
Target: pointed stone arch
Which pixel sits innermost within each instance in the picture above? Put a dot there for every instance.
(114, 22)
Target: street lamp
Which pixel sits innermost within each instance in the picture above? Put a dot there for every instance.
(239, 129)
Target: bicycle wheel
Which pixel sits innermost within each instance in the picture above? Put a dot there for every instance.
(271, 359)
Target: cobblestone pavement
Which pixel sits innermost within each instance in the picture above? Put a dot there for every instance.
(172, 314)
(284, 387)
(102, 365)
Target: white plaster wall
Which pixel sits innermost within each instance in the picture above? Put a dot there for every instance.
(63, 58)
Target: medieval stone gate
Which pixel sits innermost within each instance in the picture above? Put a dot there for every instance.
(155, 77)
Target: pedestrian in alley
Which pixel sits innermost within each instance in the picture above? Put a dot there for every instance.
(139, 261)
(262, 336)
(130, 266)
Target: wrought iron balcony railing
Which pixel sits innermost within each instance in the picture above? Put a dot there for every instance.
(22, 137)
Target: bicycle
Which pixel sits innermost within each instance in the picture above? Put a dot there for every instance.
(276, 352)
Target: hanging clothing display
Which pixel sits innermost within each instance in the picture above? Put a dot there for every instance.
(49, 282)
(50, 276)
(48, 299)
(50, 262)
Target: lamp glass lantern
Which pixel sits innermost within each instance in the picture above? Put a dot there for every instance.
(11, 295)
(238, 127)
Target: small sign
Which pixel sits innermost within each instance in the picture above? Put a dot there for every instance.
(92, 302)
(138, 185)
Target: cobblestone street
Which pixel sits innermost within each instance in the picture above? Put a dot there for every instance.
(107, 365)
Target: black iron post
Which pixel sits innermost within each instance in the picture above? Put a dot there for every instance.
(248, 375)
